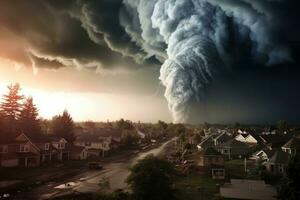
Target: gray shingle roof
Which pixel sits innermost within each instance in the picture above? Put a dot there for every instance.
(280, 157)
(233, 143)
(293, 143)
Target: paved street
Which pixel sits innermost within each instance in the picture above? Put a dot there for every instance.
(116, 172)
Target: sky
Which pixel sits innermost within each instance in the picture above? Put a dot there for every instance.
(179, 61)
(87, 95)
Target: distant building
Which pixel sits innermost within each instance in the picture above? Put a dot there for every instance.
(99, 141)
(292, 146)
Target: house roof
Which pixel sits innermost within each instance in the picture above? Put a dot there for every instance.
(279, 157)
(268, 152)
(207, 142)
(294, 143)
(223, 137)
(39, 138)
(56, 139)
(276, 140)
(233, 143)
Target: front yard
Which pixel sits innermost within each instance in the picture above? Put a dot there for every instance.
(196, 187)
(236, 169)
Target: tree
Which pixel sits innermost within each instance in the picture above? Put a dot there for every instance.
(29, 122)
(206, 125)
(162, 125)
(11, 108)
(126, 125)
(282, 126)
(288, 189)
(130, 140)
(152, 179)
(63, 126)
(237, 125)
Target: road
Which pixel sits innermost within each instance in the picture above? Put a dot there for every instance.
(87, 182)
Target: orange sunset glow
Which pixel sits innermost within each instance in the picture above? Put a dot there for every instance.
(52, 97)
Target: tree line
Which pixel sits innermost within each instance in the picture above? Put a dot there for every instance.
(19, 114)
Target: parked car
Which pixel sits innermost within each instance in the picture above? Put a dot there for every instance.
(95, 165)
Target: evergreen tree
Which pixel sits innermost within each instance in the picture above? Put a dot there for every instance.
(63, 126)
(29, 122)
(11, 108)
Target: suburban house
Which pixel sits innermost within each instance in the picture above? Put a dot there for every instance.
(212, 160)
(9, 149)
(78, 152)
(99, 140)
(292, 146)
(278, 162)
(61, 147)
(95, 144)
(262, 155)
(31, 150)
(233, 148)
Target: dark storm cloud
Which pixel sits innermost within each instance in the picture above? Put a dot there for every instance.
(207, 39)
(197, 42)
(84, 33)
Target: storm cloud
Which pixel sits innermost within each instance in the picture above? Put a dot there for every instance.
(197, 43)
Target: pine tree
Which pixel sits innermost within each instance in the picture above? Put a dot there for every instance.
(29, 122)
(11, 108)
(63, 126)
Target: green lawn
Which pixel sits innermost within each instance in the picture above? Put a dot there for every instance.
(34, 173)
(196, 187)
(236, 169)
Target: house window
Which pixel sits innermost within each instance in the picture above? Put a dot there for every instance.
(3, 149)
(61, 145)
(87, 144)
(281, 168)
(47, 145)
(23, 148)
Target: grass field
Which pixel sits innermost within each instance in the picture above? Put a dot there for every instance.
(196, 187)
(236, 169)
